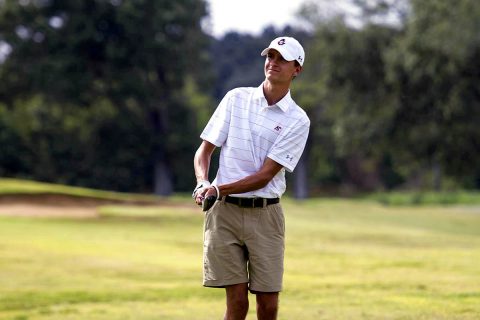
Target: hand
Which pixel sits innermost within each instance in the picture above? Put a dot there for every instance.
(211, 191)
(200, 195)
(204, 193)
(210, 198)
(199, 188)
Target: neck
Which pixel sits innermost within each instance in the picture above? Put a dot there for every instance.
(274, 93)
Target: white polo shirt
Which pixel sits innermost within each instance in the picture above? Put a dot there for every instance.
(249, 130)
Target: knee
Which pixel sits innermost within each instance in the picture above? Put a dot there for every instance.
(239, 302)
(267, 306)
(270, 308)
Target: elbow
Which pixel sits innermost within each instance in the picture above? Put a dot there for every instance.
(265, 176)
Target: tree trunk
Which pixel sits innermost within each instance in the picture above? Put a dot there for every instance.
(437, 175)
(163, 178)
(300, 178)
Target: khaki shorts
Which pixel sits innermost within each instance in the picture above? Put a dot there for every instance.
(244, 245)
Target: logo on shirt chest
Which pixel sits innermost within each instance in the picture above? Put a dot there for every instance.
(277, 128)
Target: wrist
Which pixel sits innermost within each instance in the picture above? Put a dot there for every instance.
(200, 184)
(203, 183)
(217, 190)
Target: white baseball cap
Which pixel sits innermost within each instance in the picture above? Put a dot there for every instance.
(289, 48)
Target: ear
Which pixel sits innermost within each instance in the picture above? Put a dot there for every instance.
(298, 70)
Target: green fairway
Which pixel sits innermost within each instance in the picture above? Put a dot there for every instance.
(345, 259)
(26, 187)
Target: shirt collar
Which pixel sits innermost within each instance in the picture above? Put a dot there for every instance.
(283, 104)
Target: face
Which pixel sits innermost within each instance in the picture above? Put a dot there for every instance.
(277, 69)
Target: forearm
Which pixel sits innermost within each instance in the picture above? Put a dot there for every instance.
(253, 182)
(250, 183)
(201, 161)
(201, 165)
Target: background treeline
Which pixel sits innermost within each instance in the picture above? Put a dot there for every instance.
(113, 94)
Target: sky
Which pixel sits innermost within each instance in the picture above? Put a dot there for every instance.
(250, 16)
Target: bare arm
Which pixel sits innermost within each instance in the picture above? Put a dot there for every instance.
(201, 161)
(201, 166)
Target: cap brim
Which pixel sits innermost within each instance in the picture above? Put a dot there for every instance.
(285, 54)
(264, 52)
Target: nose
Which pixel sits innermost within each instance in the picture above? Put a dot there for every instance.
(274, 60)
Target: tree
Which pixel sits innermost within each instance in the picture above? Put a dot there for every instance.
(133, 54)
(435, 71)
(344, 90)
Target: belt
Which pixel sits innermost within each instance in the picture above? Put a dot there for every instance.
(251, 202)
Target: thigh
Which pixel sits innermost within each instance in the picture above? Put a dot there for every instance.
(224, 256)
(266, 251)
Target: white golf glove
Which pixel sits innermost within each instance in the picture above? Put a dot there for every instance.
(200, 185)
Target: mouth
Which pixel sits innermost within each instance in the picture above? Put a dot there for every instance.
(272, 70)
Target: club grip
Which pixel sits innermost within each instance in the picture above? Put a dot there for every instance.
(208, 202)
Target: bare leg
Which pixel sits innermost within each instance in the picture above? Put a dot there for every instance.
(237, 302)
(267, 305)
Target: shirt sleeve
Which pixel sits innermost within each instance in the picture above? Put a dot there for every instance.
(216, 130)
(289, 146)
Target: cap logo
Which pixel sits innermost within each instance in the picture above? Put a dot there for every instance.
(281, 42)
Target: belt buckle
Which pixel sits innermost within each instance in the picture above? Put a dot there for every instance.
(264, 202)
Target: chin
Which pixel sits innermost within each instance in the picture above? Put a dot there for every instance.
(271, 75)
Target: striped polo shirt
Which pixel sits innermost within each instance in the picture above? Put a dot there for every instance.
(248, 131)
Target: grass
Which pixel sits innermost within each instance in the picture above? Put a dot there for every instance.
(26, 187)
(409, 198)
(345, 259)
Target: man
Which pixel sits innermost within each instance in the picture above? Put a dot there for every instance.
(261, 132)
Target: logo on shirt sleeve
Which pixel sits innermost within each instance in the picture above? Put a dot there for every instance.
(277, 128)
(289, 157)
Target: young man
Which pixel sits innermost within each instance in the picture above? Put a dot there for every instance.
(261, 132)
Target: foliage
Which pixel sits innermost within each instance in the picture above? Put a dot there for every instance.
(343, 88)
(113, 70)
(114, 94)
(392, 103)
(434, 69)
